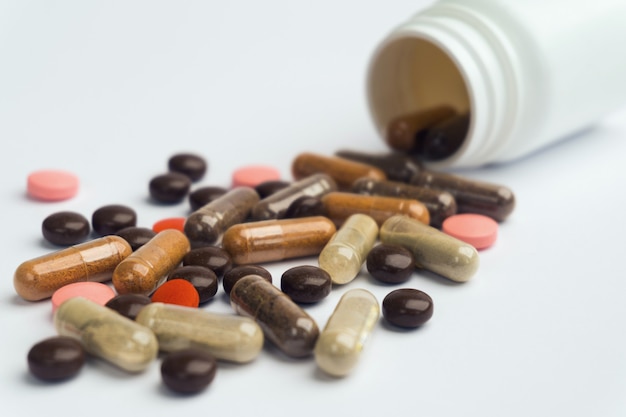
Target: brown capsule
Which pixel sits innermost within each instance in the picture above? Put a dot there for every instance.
(340, 206)
(402, 132)
(94, 261)
(144, 269)
(283, 322)
(443, 139)
(275, 240)
(396, 166)
(343, 171)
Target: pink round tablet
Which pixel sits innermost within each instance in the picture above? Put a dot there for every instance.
(253, 175)
(52, 185)
(477, 230)
(94, 291)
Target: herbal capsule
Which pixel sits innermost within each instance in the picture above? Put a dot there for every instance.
(440, 204)
(339, 206)
(275, 205)
(227, 337)
(433, 250)
(95, 261)
(344, 254)
(106, 334)
(275, 240)
(343, 171)
(403, 132)
(396, 166)
(143, 270)
(283, 322)
(495, 201)
(443, 139)
(339, 346)
(206, 225)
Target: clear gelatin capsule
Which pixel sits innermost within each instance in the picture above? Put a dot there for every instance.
(344, 254)
(105, 333)
(339, 345)
(227, 337)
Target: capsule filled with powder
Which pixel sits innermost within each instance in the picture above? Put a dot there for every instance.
(343, 171)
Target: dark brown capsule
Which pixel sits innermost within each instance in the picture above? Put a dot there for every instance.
(267, 188)
(188, 370)
(191, 165)
(397, 166)
(240, 271)
(136, 236)
(169, 188)
(204, 195)
(65, 228)
(390, 264)
(107, 220)
(56, 358)
(128, 305)
(212, 257)
(444, 139)
(402, 133)
(202, 278)
(305, 207)
(407, 307)
(306, 284)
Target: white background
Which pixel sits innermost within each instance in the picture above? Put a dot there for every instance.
(111, 90)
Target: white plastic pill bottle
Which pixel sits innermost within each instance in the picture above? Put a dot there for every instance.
(528, 72)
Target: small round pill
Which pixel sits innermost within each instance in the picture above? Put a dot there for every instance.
(56, 358)
(136, 236)
(191, 165)
(169, 188)
(253, 175)
(188, 370)
(476, 229)
(267, 188)
(177, 223)
(204, 195)
(306, 284)
(407, 307)
(177, 291)
(203, 279)
(94, 291)
(212, 257)
(52, 185)
(65, 228)
(108, 220)
(231, 277)
(305, 206)
(390, 264)
(128, 305)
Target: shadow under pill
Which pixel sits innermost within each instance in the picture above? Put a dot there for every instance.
(320, 375)
(397, 329)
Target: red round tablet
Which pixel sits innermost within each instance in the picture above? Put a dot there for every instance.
(94, 291)
(177, 291)
(52, 185)
(253, 175)
(177, 223)
(477, 230)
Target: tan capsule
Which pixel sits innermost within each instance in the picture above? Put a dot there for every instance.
(107, 334)
(227, 337)
(94, 261)
(339, 206)
(433, 250)
(343, 171)
(339, 345)
(275, 240)
(143, 270)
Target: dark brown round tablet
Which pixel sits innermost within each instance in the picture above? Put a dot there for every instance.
(128, 305)
(407, 307)
(191, 165)
(204, 195)
(306, 283)
(188, 370)
(202, 278)
(169, 188)
(212, 257)
(305, 206)
(390, 264)
(238, 272)
(136, 236)
(65, 228)
(267, 188)
(56, 358)
(107, 220)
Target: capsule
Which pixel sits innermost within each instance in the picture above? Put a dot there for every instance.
(344, 254)
(94, 261)
(206, 225)
(144, 269)
(495, 201)
(440, 204)
(284, 323)
(396, 166)
(275, 205)
(107, 334)
(341, 205)
(433, 250)
(227, 337)
(343, 171)
(275, 240)
(339, 346)
(404, 132)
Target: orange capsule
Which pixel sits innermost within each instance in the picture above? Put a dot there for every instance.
(339, 206)
(177, 223)
(343, 171)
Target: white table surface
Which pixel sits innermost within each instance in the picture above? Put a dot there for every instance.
(111, 90)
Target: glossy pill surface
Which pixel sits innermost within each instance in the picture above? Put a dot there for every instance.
(391, 264)
(206, 225)
(306, 284)
(204, 195)
(284, 323)
(106, 334)
(56, 358)
(192, 165)
(188, 371)
(177, 291)
(305, 207)
(107, 220)
(203, 279)
(343, 171)
(65, 228)
(128, 305)
(143, 270)
(396, 166)
(215, 258)
(94, 261)
(169, 188)
(267, 188)
(275, 240)
(349, 327)
(407, 307)
(136, 236)
(344, 254)
(240, 271)
(225, 336)
(433, 250)
(52, 185)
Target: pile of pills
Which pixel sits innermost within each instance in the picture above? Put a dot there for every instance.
(350, 210)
